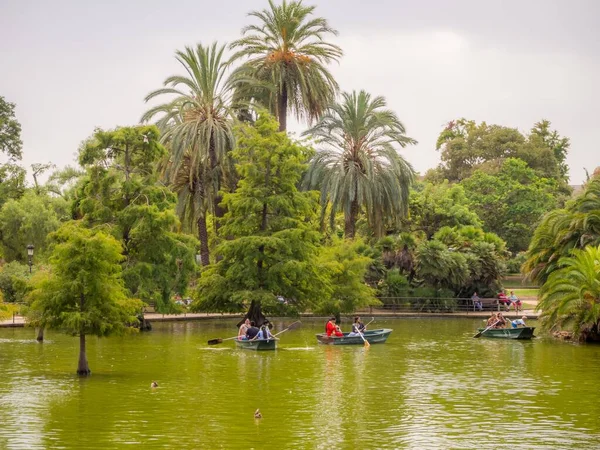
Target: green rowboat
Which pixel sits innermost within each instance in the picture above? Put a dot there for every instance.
(508, 333)
(257, 344)
(372, 336)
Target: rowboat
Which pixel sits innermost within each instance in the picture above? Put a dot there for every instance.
(257, 344)
(372, 336)
(508, 333)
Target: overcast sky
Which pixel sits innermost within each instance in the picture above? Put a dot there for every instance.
(73, 65)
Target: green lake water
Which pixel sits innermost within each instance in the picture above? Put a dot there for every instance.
(430, 386)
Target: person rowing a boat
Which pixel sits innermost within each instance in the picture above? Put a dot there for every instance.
(492, 320)
(501, 321)
(243, 330)
(357, 327)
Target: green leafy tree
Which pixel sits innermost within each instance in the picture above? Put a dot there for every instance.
(359, 165)
(570, 297)
(512, 202)
(562, 230)
(345, 264)
(25, 221)
(197, 126)
(12, 176)
(466, 146)
(10, 131)
(462, 259)
(433, 206)
(287, 56)
(84, 293)
(12, 182)
(6, 310)
(62, 181)
(122, 193)
(271, 248)
(559, 145)
(14, 282)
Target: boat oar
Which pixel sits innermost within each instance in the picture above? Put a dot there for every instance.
(293, 325)
(363, 338)
(372, 319)
(219, 340)
(481, 332)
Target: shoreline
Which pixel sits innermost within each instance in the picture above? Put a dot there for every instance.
(19, 321)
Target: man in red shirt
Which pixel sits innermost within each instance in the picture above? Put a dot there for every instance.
(330, 328)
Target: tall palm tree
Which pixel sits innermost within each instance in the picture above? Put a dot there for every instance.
(193, 201)
(570, 298)
(287, 54)
(197, 125)
(359, 165)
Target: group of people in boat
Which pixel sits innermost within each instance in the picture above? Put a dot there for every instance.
(250, 332)
(333, 329)
(497, 320)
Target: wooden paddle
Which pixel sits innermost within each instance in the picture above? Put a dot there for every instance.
(293, 325)
(219, 340)
(481, 332)
(363, 338)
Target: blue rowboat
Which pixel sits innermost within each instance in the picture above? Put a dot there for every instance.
(372, 336)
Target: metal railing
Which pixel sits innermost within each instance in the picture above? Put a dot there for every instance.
(437, 304)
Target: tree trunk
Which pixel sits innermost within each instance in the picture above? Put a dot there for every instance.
(254, 314)
(214, 163)
(40, 335)
(350, 220)
(203, 236)
(282, 103)
(83, 368)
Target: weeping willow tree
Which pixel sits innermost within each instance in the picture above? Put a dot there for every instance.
(358, 165)
(286, 55)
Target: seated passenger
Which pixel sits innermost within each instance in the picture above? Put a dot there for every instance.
(492, 320)
(264, 333)
(332, 328)
(243, 329)
(519, 322)
(252, 332)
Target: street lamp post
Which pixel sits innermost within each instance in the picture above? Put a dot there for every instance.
(30, 256)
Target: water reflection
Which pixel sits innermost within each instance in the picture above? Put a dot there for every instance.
(430, 386)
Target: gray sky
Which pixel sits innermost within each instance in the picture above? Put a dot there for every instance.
(71, 66)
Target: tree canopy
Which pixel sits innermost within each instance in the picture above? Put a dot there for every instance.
(287, 53)
(358, 165)
(512, 202)
(271, 247)
(122, 194)
(466, 146)
(10, 131)
(84, 294)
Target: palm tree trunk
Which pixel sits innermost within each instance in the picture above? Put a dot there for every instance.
(350, 222)
(83, 368)
(203, 236)
(282, 103)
